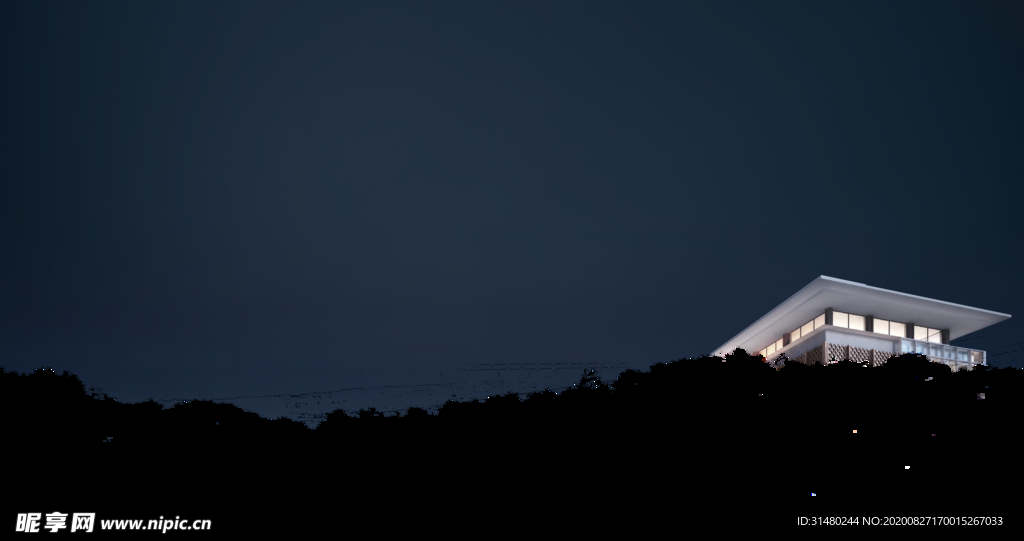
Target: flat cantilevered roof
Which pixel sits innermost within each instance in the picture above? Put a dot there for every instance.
(856, 298)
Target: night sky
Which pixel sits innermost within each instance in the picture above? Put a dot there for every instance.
(215, 199)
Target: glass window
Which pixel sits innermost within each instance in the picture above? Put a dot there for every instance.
(840, 319)
(795, 335)
(920, 333)
(881, 326)
(819, 321)
(857, 322)
(897, 329)
(807, 328)
(764, 353)
(778, 345)
(771, 349)
(934, 335)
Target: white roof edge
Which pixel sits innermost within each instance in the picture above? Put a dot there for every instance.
(840, 280)
(919, 297)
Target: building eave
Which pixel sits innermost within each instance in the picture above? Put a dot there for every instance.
(857, 298)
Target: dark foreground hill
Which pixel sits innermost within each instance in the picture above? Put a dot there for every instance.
(694, 438)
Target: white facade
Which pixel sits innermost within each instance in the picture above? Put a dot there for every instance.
(832, 319)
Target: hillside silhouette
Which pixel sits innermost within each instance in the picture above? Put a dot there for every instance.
(738, 430)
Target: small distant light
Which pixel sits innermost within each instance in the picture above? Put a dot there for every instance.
(854, 431)
(813, 494)
(906, 467)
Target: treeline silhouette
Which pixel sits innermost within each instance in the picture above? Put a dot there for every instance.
(738, 429)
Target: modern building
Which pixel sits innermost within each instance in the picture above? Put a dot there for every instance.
(830, 320)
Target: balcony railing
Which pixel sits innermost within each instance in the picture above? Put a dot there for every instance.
(944, 353)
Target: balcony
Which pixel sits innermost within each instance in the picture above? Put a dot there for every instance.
(955, 357)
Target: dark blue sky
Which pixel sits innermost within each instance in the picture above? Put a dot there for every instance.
(211, 198)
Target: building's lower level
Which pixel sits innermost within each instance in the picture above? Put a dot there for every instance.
(825, 345)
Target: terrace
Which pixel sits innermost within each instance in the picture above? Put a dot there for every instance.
(955, 357)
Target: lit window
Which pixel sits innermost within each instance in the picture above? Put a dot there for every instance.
(920, 333)
(778, 345)
(795, 335)
(935, 336)
(881, 326)
(771, 349)
(807, 328)
(857, 322)
(897, 329)
(840, 319)
(819, 321)
(764, 353)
